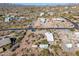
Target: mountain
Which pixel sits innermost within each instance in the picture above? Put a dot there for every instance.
(35, 4)
(6, 5)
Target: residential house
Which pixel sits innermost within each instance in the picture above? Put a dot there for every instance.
(42, 13)
(4, 41)
(7, 19)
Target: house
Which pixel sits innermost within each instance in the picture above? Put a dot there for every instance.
(43, 46)
(42, 13)
(7, 19)
(49, 37)
(51, 13)
(21, 18)
(4, 41)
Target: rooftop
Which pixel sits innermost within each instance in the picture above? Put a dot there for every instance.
(49, 36)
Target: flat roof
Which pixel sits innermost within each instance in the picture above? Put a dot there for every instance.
(49, 36)
(43, 45)
(69, 45)
(77, 34)
(77, 44)
(34, 46)
(4, 41)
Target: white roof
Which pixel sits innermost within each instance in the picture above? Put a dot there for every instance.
(69, 45)
(49, 36)
(4, 41)
(78, 45)
(59, 19)
(77, 34)
(42, 20)
(34, 46)
(7, 19)
(42, 13)
(43, 45)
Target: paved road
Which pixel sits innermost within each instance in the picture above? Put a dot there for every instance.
(31, 28)
(75, 24)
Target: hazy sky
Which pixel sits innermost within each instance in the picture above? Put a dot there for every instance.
(42, 4)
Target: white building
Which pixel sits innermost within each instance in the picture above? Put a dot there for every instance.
(50, 13)
(4, 41)
(43, 46)
(34, 46)
(58, 19)
(49, 37)
(42, 20)
(68, 45)
(7, 19)
(42, 13)
(77, 45)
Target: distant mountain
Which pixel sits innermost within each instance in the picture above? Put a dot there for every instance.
(35, 4)
(47, 4)
(6, 5)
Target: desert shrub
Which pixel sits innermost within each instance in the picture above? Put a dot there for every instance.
(77, 53)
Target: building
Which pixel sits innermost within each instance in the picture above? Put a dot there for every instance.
(42, 20)
(77, 45)
(68, 45)
(34, 46)
(7, 19)
(58, 19)
(77, 35)
(43, 46)
(42, 13)
(49, 37)
(1, 50)
(51, 13)
(4, 41)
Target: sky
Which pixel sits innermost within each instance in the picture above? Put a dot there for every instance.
(39, 1)
(43, 4)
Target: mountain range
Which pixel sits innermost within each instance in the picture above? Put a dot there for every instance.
(35, 4)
